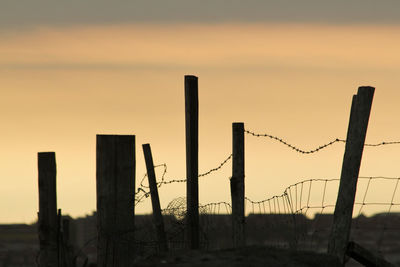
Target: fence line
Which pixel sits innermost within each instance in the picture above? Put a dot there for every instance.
(291, 209)
(295, 204)
(143, 192)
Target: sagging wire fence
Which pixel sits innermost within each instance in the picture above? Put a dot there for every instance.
(143, 191)
(174, 214)
(300, 218)
(287, 220)
(215, 225)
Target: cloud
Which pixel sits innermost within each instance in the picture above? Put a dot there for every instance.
(28, 13)
(217, 47)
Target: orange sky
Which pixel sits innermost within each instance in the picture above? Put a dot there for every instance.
(60, 86)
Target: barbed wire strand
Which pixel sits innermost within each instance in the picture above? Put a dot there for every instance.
(141, 193)
(311, 151)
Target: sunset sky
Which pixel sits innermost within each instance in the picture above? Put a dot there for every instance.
(70, 70)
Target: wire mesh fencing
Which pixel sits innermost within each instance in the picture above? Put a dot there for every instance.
(376, 216)
(301, 218)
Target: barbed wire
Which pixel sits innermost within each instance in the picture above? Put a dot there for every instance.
(302, 151)
(143, 190)
(216, 168)
(384, 143)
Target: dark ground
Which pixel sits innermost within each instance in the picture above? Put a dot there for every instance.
(254, 256)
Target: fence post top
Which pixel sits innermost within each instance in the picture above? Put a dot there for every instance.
(111, 135)
(191, 77)
(366, 89)
(46, 153)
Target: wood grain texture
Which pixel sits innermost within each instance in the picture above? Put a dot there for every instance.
(155, 201)
(357, 129)
(115, 182)
(192, 161)
(238, 185)
(48, 226)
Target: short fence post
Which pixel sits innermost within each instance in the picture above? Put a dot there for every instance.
(357, 129)
(155, 201)
(115, 179)
(192, 161)
(48, 227)
(237, 185)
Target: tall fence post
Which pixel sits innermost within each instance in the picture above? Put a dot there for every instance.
(357, 129)
(192, 161)
(155, 201)
(237, 185)
(115, 186)
(48, 226)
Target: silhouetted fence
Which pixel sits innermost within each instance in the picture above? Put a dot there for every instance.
(283, 220)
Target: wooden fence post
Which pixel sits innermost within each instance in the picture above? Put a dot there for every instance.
(115, 182)
(68, 252)
(59, 239)
(192, 161)
(48, 227)
(357, 129)
(237, 185)
(155, 201)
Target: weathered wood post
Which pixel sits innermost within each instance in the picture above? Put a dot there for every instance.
(67, 248)
(192, 160)
(60, 239)
(237, 185)
(357, 129)
(47, 223)
(115, 182)
(155, 201)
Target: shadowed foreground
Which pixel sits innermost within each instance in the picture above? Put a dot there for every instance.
(248, 256)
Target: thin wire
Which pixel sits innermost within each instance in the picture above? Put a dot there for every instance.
(295, 148)
(141, 193)
(302, 151)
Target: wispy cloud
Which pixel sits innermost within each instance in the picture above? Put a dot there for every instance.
(198, 47)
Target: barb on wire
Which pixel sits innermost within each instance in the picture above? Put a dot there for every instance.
(216, 168)
(295, 148)
(384, 143)
(141, 193)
